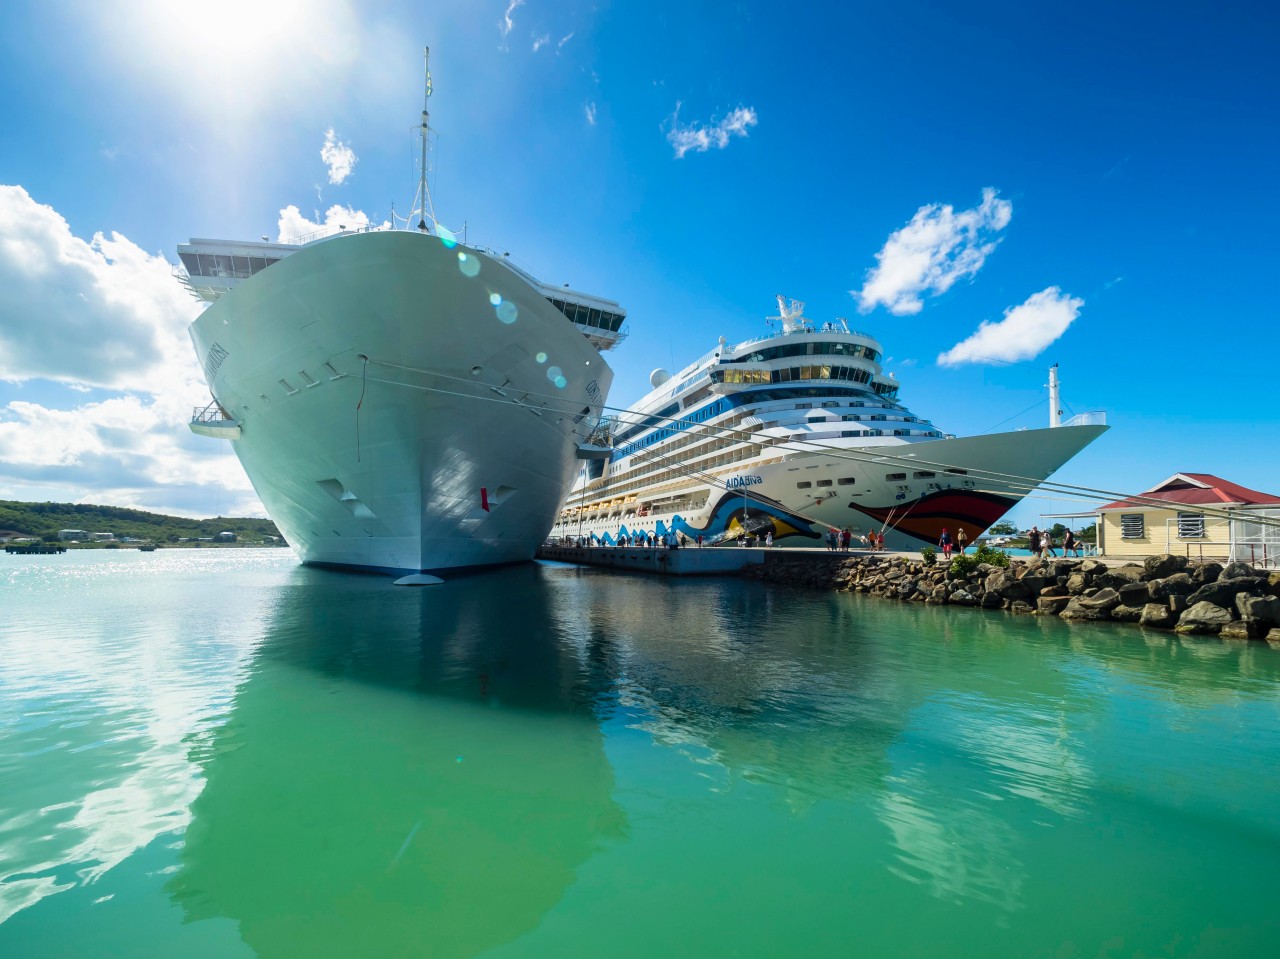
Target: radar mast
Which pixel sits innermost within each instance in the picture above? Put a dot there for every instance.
(426, 208)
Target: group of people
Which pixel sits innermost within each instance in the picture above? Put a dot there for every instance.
(1041, 543)
(945, 543)
(839, 540)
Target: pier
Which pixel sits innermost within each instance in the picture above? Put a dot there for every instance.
(25, 549)
(685, 560)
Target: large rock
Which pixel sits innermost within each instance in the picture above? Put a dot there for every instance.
(1103, 599)
(1273, 584)
(1206, 573)
(1076, 583)
(1166, 564)
(1127, 614)
(1222, 592)
(1054, 591)
(1258, 609)
(1004, 583)
(1273, 637)
(1177, 584)
(1051, 605)
(1157, 615)
(962, 597)
(1121, 576)
(1076, 610)
(1020, 606)
(1203, 617)
(1035, 582)
(1092, 566)
(1239, 629)
(1133, 594)
(1236, 570)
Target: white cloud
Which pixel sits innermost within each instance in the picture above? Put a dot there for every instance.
(337, 156)
(1023, 334)
(102, 314)
(562, 41)
(292, 225)
(590, 111)
(507, 23)
(540, 42)
(701, 138)
(938, 247)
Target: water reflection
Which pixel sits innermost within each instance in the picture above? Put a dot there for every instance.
(400, 767)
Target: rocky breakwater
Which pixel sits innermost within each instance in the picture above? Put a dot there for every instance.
(1168, 592)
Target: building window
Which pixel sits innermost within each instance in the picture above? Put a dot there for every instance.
(1132, 526)
(1190, 526)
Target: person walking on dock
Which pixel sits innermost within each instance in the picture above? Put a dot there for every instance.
(1033, 541)
(961, 540)
(768, 540)
(1070, 544)
(944, 541)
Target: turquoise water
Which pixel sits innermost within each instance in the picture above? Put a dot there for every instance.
(219, 753)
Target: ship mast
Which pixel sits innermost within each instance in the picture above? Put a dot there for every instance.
(426, 207)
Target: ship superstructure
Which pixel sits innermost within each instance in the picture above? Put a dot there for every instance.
(796, 433)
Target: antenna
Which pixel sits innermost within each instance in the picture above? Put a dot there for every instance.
(792, 317)
(422, 182)
(1055, 414)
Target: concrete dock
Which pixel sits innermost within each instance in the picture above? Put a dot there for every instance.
(685, 561)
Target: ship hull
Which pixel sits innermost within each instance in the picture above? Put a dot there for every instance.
(403, 405)
(967, 483)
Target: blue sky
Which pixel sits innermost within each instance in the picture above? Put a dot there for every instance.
(1105, 168)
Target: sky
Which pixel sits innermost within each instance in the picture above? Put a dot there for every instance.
(988, 190)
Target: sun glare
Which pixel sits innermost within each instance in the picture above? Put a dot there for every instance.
(236, 54)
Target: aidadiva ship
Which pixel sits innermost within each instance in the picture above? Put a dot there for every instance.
(400, 401)
(797, 433)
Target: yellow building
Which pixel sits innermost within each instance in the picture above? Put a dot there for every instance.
(1205, 516)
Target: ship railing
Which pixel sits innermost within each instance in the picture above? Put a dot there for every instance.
(1092, 418)
(325, 233)
(824, 328)
(213, 413)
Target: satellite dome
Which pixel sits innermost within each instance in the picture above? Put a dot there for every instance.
(658, 377)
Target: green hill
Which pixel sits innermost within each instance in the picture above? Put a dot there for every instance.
(45, 519)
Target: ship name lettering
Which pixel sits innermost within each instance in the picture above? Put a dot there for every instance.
(213, 362)
(738, 482)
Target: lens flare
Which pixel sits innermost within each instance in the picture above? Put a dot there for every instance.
(469, 265)
(495, 298)
(541, 357)
(507, 312)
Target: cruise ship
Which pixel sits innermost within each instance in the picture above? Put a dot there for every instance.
(401, 402)
(797, 433)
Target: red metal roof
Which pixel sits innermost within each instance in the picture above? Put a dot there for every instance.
(1199, 489)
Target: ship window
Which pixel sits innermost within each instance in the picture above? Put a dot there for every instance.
(803, 484)
(1132, 526)
(824, 482)
(958, 472)
(287, 387)
(923, 474)
(891, 477)
(804, 406)
(848, 432)
(1190, 525)
(845, 481)
(854, 417)
(830, 405)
